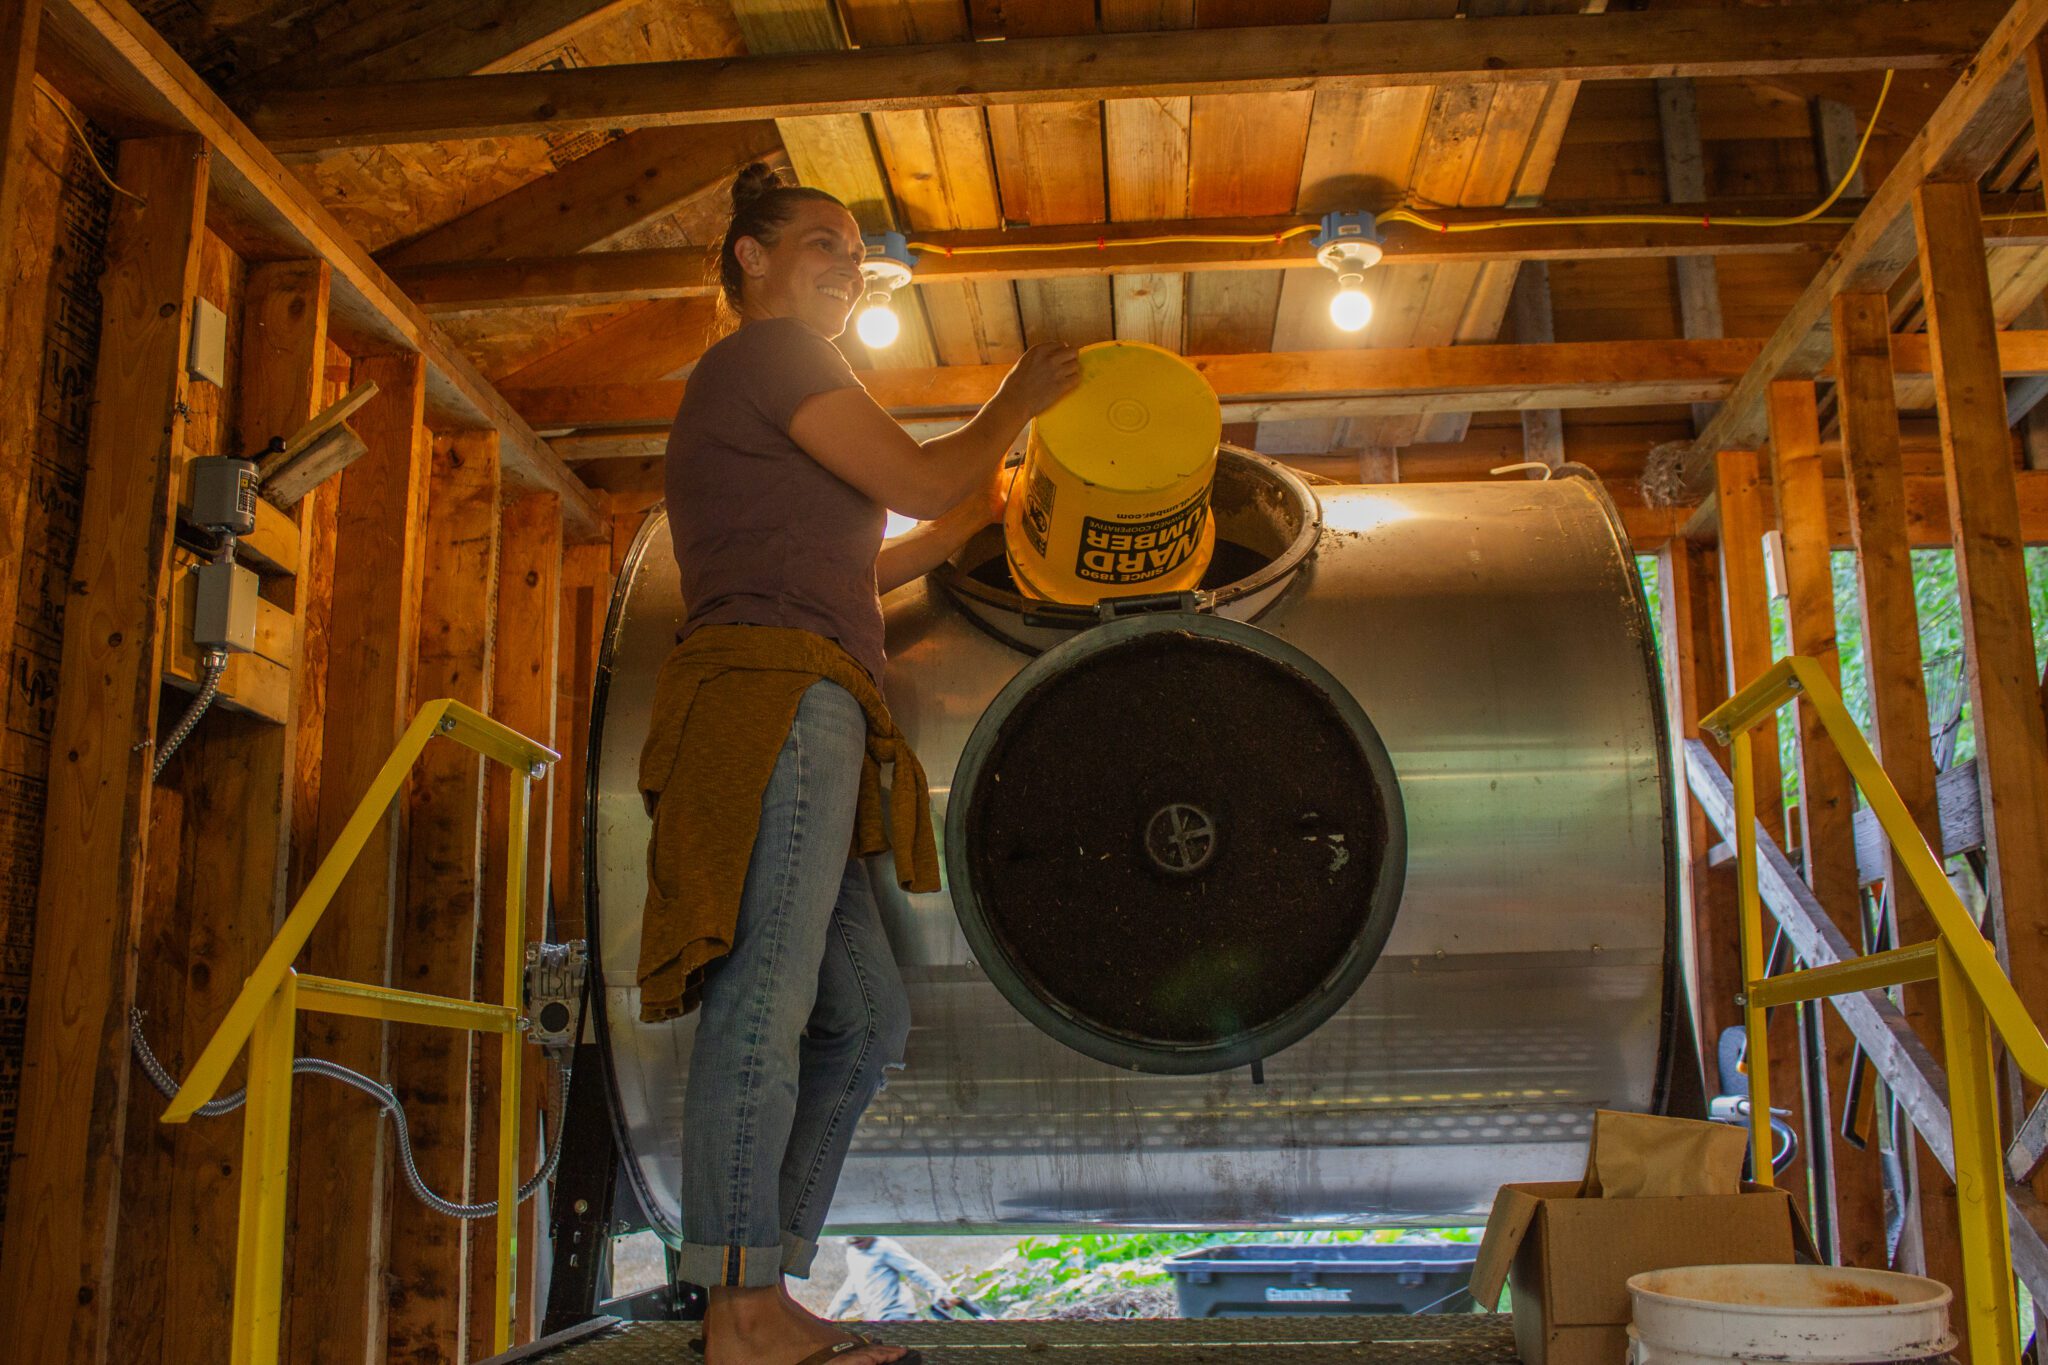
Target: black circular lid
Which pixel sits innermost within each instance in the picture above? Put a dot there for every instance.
(1176, 843)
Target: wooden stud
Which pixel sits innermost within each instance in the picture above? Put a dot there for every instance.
(20, 26)
(1746, 629)
(2012, 745)
(65, 1205)
(1694, 685)
(524, 679)
(1893, 665)
(1827, 796)
(335, 1306)
(428, 1292)
(586, 596)
(1036, 71)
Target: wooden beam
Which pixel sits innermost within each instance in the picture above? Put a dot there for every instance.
(646, 345)
(127, 74)
(438, 38)
(1746, 629)
(1262, 386)
(637, 179)
(1542, 428)
(57, 1294)
(1103, 66)
(335, 1304)
(495, 277)
(1827, 800)
(1892, 664)
(1970, 130)
(1685, 182)
(427, 1287)
(524, 674)
(2012, 745)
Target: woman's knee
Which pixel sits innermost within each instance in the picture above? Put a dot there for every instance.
(890, 1028)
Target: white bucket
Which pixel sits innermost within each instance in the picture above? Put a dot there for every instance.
(1824, 1315)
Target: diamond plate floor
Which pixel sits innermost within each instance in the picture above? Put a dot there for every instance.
(1469, 1339)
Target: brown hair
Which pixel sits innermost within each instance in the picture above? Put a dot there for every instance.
(762, 201)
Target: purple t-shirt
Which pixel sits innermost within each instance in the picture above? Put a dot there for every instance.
(764, 534)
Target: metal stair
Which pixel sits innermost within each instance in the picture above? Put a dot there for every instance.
(1916, 1078)
(1429, 1339)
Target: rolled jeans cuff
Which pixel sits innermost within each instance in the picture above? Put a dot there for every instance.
(797, 1255)
(729, 1267)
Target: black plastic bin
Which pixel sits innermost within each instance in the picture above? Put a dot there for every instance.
(1249, 1280)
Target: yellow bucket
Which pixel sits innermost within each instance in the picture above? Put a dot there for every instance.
(1113, 499)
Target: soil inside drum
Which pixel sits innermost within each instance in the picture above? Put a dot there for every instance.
(1085, 913)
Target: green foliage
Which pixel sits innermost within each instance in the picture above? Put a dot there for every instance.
(1046, 1274)
(1939, 605)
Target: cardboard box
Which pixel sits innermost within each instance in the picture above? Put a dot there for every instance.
(1568, 1259)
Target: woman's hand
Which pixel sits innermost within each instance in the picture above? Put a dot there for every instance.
(1041, 377)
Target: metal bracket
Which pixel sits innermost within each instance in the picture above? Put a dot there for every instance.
(2029, 1144)
(554, 985)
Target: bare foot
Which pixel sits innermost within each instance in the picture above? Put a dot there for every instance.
(764, 1327)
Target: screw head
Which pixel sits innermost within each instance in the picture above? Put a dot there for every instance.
(447, 724)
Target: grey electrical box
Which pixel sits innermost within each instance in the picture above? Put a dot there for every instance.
(224, 494)
(207, 357)
(225, 614)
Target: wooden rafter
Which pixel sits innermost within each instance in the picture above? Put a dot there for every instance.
(1284, 385)
(422, 41)
(130, 78)
(1969, 132)
(640, 177)
(1739, 42)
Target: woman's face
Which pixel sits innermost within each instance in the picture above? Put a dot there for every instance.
(812, 273)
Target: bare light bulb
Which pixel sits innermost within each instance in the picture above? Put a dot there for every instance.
(877, 325)
(1350, 309)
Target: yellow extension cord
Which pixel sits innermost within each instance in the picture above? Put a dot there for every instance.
(1403, 215)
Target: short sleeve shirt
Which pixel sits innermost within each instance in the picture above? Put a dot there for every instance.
(764, 534)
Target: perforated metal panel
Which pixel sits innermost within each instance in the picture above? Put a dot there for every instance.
(1478, 1339)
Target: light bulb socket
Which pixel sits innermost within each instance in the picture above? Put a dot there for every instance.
(1348, 242)
(888, 265)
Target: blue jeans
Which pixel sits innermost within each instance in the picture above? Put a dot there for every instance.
(798, 1021)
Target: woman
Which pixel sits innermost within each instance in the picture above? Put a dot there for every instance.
(760, 765)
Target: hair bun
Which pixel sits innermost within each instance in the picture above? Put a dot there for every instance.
(755, 181)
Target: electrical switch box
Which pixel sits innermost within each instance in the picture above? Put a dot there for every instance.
(224, 494)
(224, 614)
(207, 357)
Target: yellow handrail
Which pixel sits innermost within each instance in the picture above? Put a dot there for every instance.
(265, 1013)
(1976, 995)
